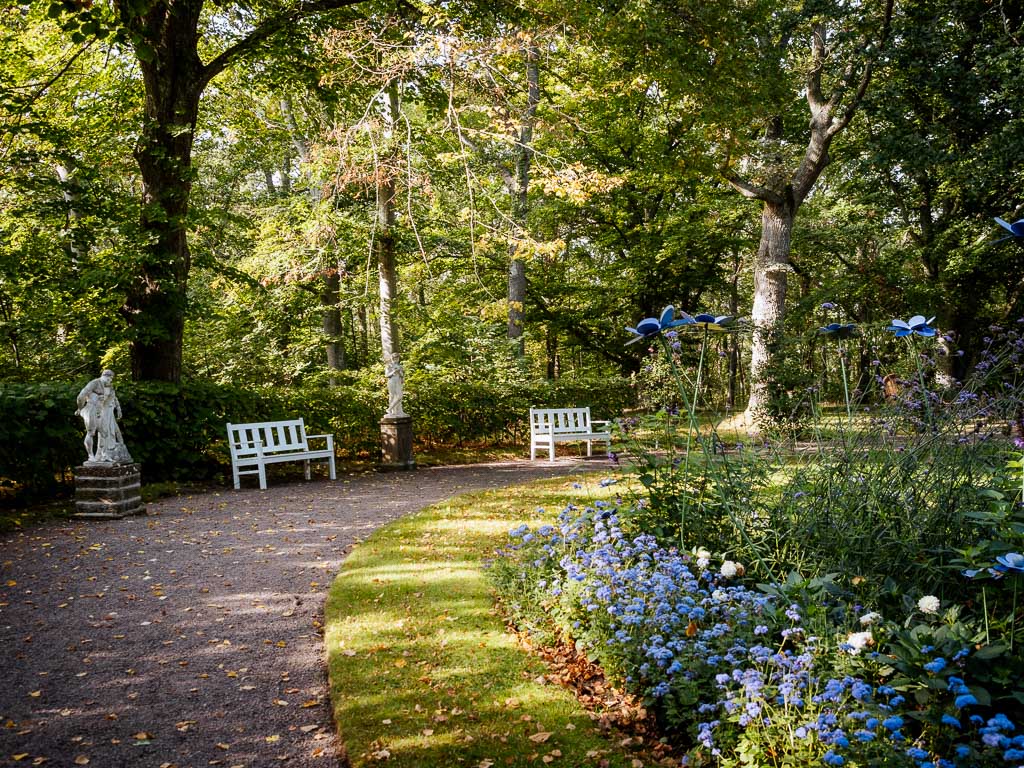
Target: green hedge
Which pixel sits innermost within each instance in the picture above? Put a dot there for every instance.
(178, 431)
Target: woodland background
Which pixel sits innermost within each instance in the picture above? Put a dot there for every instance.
(245, 206)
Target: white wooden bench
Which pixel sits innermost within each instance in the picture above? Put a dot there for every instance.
(255, 445)
(563, 425)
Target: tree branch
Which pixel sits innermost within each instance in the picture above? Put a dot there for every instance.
(267, 29)
(749, 190)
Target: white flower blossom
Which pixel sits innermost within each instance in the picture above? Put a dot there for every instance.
(729, 569)
(858, 641)
(928, 604)
(870, 618)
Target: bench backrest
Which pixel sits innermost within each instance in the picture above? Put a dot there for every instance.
(559, 420)
(274, 436)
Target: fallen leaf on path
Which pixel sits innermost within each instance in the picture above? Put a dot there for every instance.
(36, 694)
(540, 737)
(348, 653)
(273, 739)
(81, 760)
(23, 755)
(308, 728)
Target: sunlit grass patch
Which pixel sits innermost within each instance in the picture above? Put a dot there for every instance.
(422, 669)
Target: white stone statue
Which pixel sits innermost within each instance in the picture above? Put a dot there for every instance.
(99, 408)
(396, 384)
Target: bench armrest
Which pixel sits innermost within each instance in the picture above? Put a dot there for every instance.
(606, 422)
(328, 438)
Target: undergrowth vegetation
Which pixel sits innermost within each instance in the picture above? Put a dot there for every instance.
(846, 595)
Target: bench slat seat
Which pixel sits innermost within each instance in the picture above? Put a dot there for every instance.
(549, 426)
(253, 446)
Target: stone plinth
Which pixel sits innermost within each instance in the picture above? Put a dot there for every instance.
(108, 490)
(396, 443)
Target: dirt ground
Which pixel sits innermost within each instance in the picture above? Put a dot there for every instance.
(192, 636)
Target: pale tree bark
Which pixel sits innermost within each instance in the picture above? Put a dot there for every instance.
(384, 236)
(520, 201)
(782, 196)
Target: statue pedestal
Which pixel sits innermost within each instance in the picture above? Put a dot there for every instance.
(396, 443)
(108, 490)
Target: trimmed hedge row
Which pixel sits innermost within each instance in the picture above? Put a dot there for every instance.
(177, 431)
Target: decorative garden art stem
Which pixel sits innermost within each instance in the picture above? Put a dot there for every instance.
(709, 462)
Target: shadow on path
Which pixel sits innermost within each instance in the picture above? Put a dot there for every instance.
(192, 636)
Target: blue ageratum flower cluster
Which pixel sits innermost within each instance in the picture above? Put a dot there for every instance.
(734, 668)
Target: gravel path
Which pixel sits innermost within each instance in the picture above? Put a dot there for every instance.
(191, 637)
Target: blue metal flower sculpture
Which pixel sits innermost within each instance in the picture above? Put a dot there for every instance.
(1012, 561)
(712, 322)
(1016, 229)
(915, 325)
(650, 327)
(839, 331)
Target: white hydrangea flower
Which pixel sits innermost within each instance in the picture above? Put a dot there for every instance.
(858, 641)
(870, 618)
(729, 569)
(928, 604)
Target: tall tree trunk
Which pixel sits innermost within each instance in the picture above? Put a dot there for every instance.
(174, 80)
(552, 349)
(520, 201)
(385, 236)
(733, 341)
(783, 195)
(770, 282)
(166, 37)
(334, 344)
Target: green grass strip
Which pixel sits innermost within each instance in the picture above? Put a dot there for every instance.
(422, 669)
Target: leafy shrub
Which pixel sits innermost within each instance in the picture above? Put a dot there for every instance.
(178, 431)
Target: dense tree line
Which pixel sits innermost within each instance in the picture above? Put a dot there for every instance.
(272, 192)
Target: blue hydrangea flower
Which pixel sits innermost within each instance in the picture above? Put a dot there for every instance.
(839, 331)
(917, 324)
(650, 327)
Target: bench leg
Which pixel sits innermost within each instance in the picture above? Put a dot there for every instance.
(533, 450)
(334, 475)
(590, 448)
(306, 466)
(263, 476)
(235, 477)
(551, 451)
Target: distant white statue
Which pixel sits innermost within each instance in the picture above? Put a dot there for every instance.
(99, 408)
(396, 386)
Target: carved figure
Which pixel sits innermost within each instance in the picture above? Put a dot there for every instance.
(99, 408)
(396, 385)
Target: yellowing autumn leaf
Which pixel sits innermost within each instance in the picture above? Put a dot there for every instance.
(540, 737)
(23, 755)
(12, 583)
(81, 760)
(36, 694)
(310, 703)
(273, 739)
(400, 663)
(141, 736)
